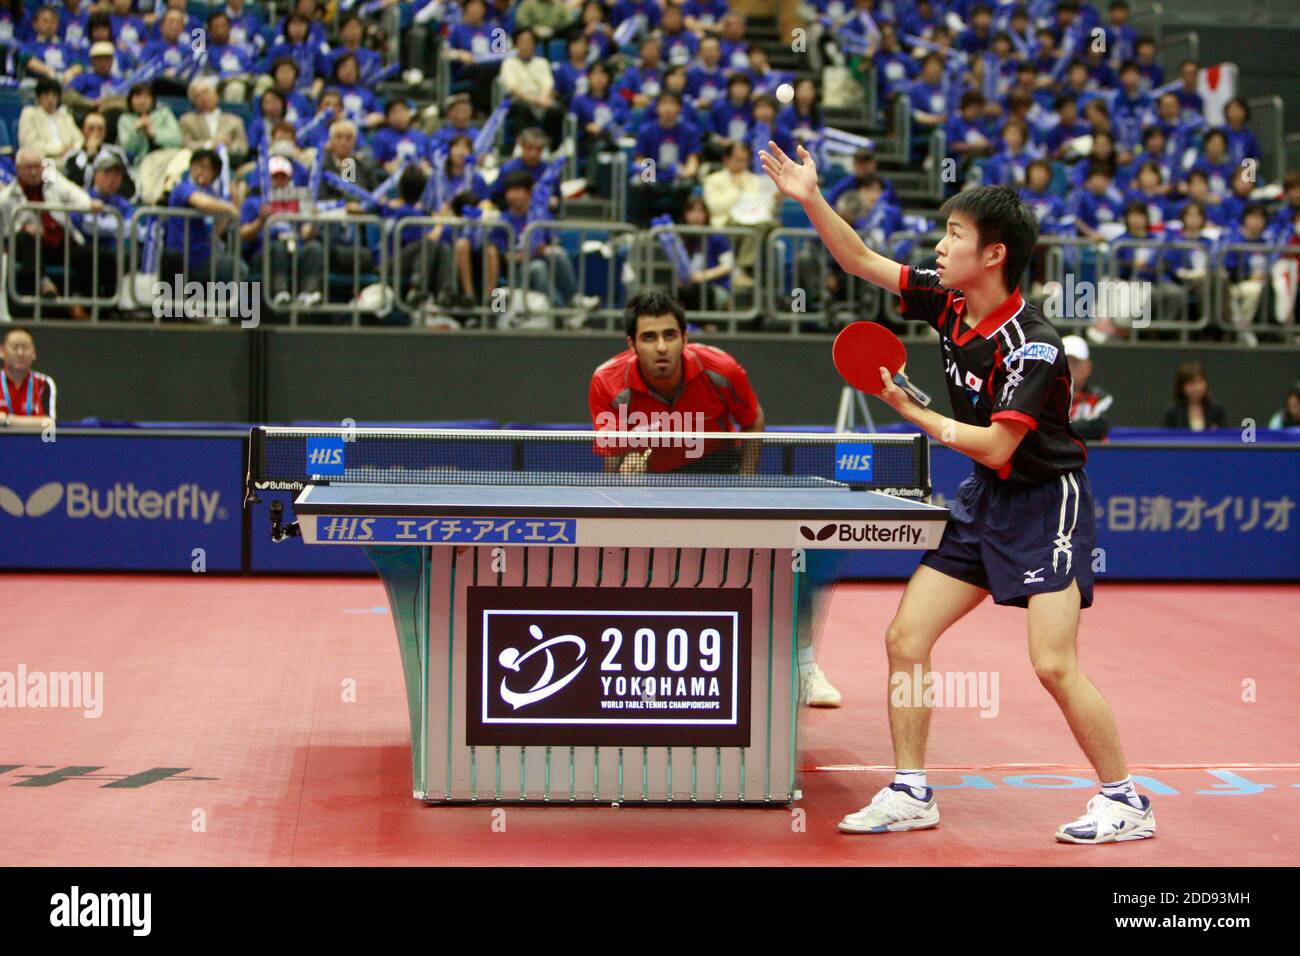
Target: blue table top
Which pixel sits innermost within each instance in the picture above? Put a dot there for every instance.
(736, 503)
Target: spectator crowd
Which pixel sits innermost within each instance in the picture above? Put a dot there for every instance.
(308, 130)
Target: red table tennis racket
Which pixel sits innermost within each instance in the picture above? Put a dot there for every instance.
(862, 349)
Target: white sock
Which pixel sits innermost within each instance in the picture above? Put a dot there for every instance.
(914, 780)
(1123, 788)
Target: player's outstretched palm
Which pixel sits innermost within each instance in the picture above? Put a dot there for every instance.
(799, 182)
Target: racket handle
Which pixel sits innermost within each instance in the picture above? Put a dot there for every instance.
(913, 392)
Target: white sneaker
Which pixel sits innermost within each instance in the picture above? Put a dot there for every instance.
(1110, 820)
(893, 810)
(282, 298)
(587, 302)
(815, 690)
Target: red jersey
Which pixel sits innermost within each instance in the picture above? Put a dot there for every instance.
(714, 396)
(34, 395)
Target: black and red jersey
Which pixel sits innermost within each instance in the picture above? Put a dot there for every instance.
(1011, 366)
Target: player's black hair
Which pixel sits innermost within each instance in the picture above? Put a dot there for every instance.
(971, 98)
(1000, 216)
(651, 304)
(1129, 66)
(47, 84)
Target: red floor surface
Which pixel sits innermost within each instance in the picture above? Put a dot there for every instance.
(242, 683)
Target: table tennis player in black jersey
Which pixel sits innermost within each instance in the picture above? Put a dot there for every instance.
(1022, 526)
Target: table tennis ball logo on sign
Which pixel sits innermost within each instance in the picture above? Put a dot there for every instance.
(545, 685)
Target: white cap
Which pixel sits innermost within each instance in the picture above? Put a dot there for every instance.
(278, 164)
(1076, 347)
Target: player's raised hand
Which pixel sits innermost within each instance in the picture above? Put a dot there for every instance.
(797, 181)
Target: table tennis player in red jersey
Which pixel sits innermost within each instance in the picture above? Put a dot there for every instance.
(663, 383)
(1022, 526)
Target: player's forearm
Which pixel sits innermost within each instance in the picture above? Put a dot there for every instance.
(990, 447)
(848, 248)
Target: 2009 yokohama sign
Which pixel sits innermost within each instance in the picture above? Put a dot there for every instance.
(603, 666)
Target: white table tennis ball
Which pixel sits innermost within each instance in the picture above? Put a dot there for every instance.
(785, 93)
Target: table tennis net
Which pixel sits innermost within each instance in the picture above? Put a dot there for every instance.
(290, 458)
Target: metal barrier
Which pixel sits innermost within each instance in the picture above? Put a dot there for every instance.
(359, 264)
(606, 239)
(897, 147)
(1292, 151)
(487, 303)
(922, 249)
(1174, 49)
(652, 259)
(933, 165)
(26, 221)
(1062, 259)
(796, 287)
(1249, 309)
(148, 224)
(1144, 303)
(569, 143)
(618, 180)
(1147, 18)
(1268, 124)
(441, 72)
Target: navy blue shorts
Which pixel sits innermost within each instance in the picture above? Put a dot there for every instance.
(1018, 540)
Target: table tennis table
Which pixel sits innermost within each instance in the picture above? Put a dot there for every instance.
(581, 637)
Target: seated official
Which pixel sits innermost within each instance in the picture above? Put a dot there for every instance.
(1089, 403)
(665, 383)
(26, 398)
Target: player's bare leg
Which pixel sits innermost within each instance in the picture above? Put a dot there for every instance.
(1118, 813)
(1053, 628)
(931, 604)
